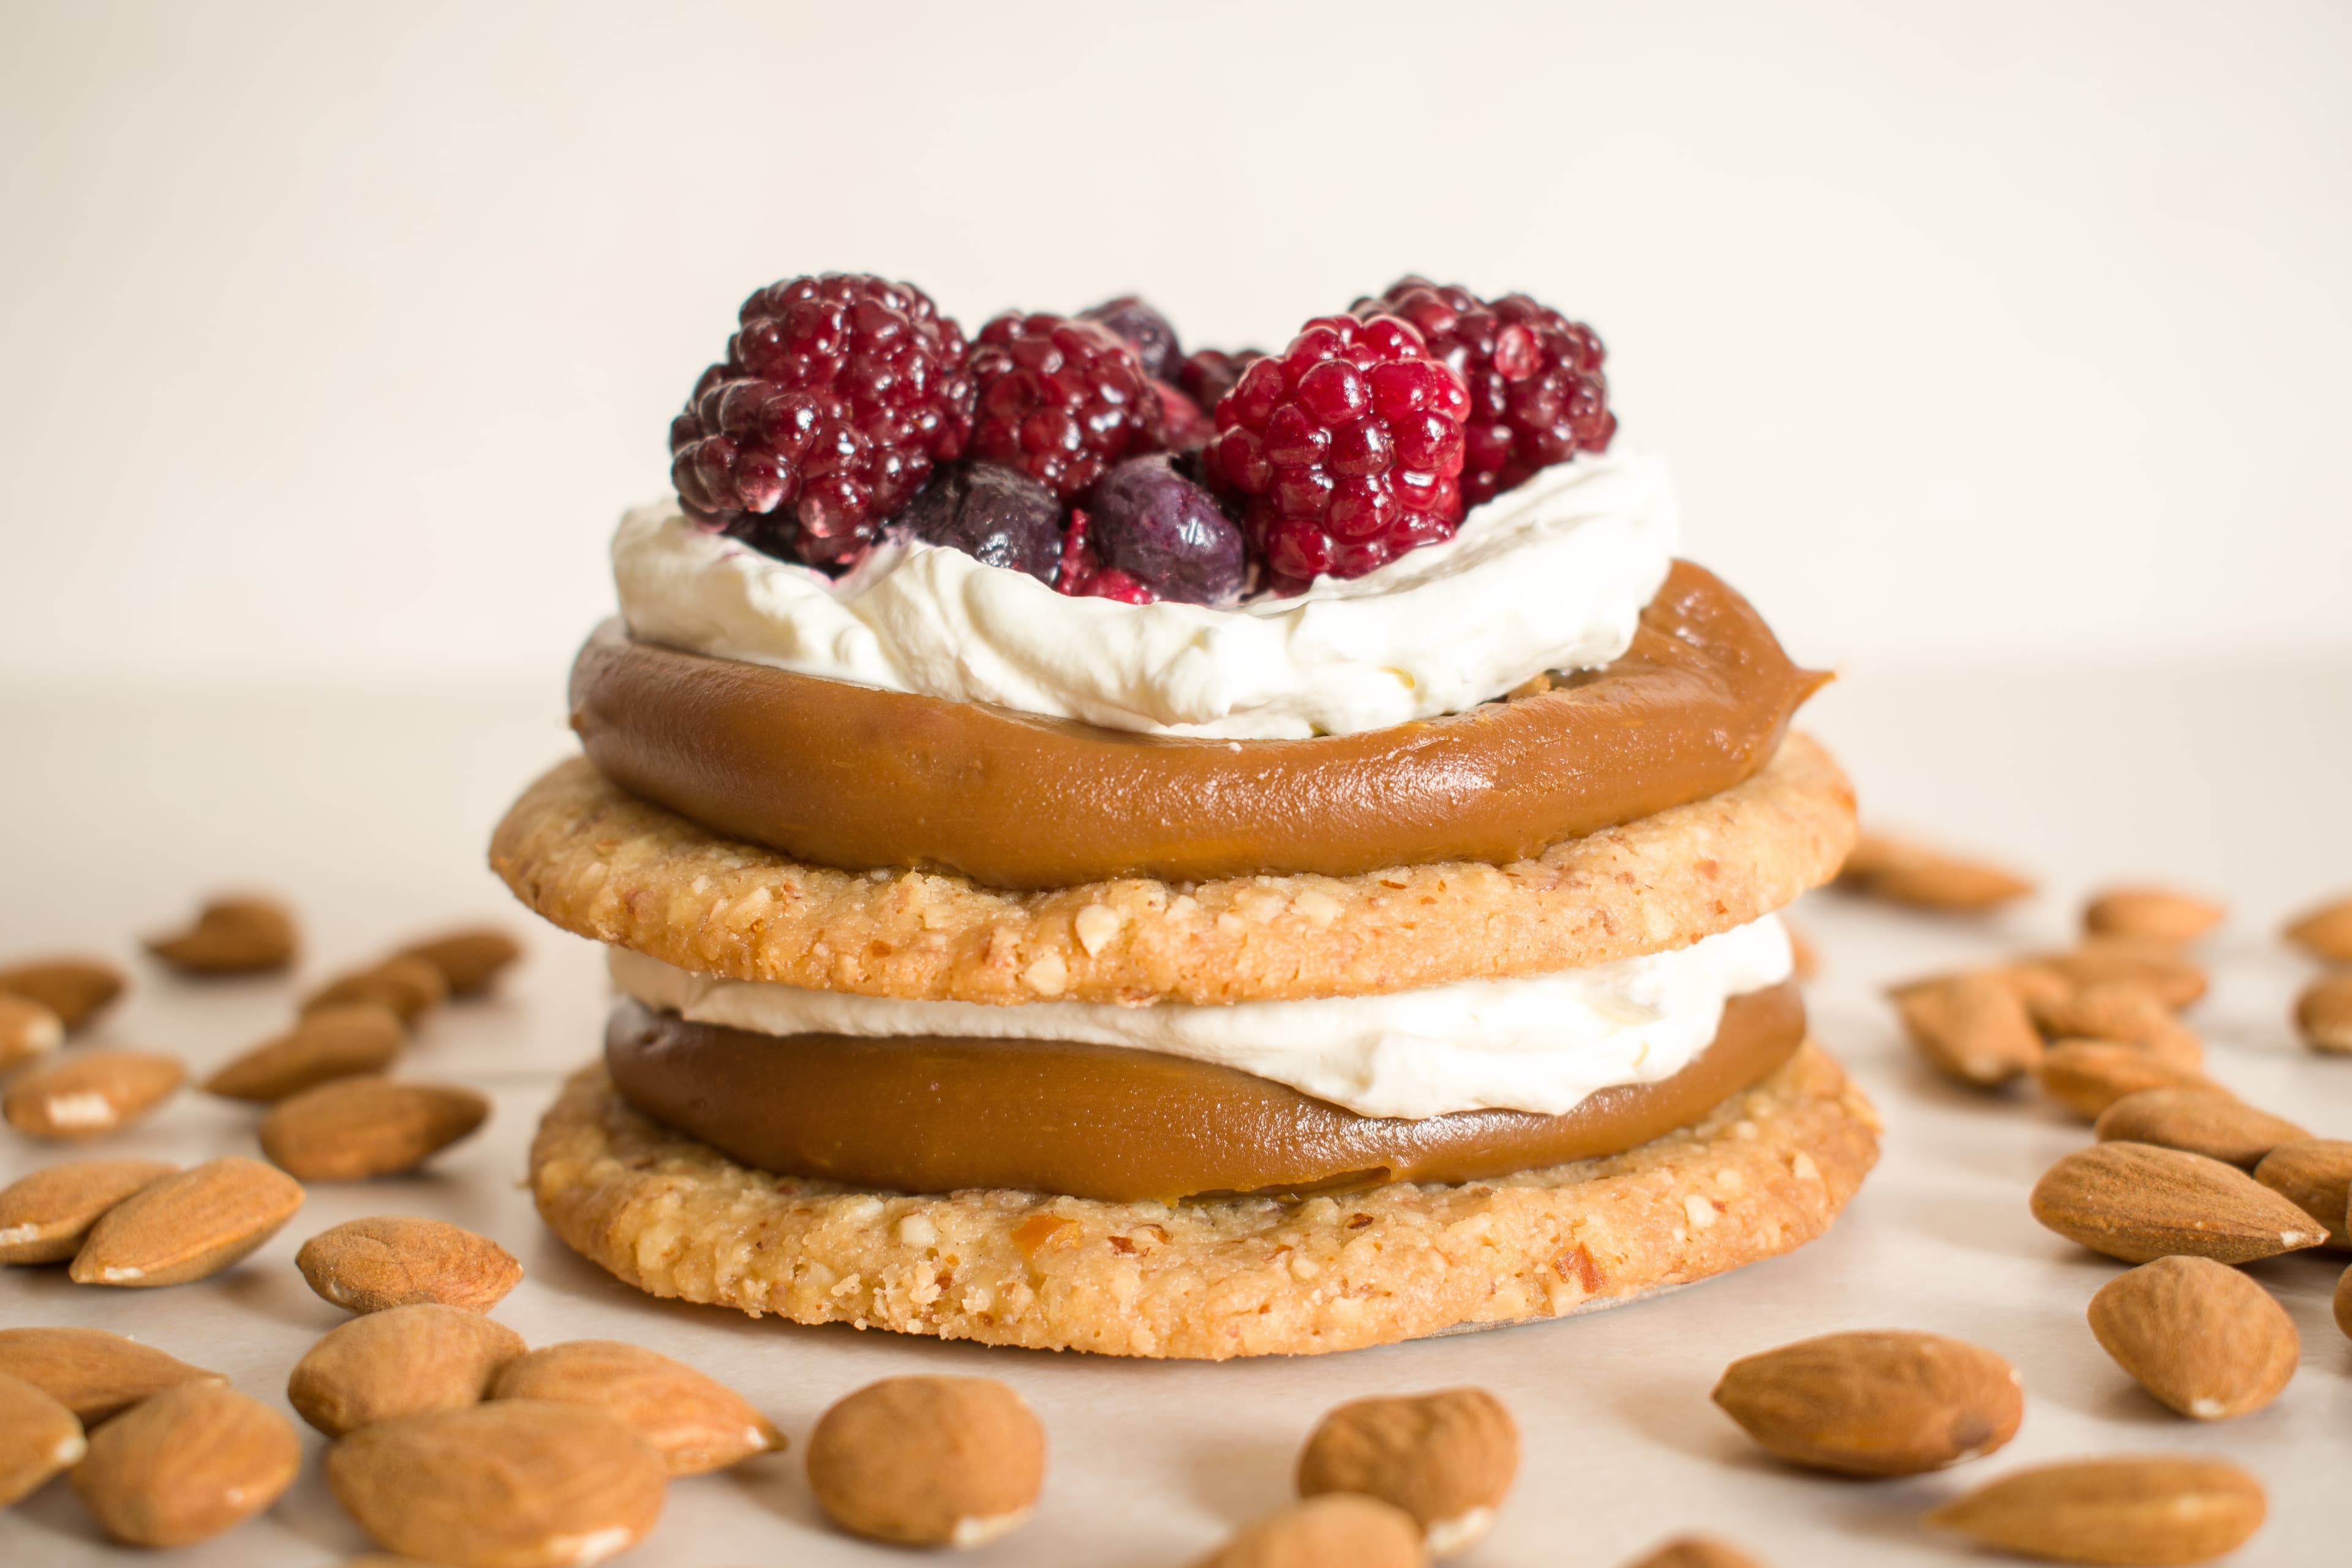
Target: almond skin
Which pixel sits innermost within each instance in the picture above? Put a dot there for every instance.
(346, 1041)
(2343, 1302)
(2218, 1126)
(2325, 932)
(232, 936)
(1447, 1458)
(72, 988)
(469, 960)
(517, 1484)
(188, 1227)
(696, 1423)
(404, 1361)
(1906, 871)
(1887, 1403)
(91, 1371)
(2205, 1340)
(2139, 1203)
(2160, 914)
(89, 1093)
(45, 1215)
(27, 1030)
(186, 1466)
(1338, 1527)
(2127, 1510)
(2124, 1011)
(2157, 966)
(931, 1461)
(2323, 1015)
(410, 987)
(2087, 1077)
(2315, 1176)
(355, 1128)
(38, 1437)
(391, 1260)
(1973, 1027)
(1696, 1552)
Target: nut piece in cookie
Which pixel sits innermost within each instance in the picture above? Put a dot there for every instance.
(929, 1461)
(1446, 1458)
(1888, 1403)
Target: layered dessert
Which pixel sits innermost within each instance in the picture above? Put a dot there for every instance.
(1177, 855)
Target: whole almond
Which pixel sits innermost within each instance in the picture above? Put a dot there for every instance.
(403, 1361)
(27, 1030)
(2139, 1203)
(1972, 1026)
(187, 1465)
(2325, 932)
(2322, 1014)
(1888, 1403)
(2158, 967)
(2125, 1012)
(2201, 1337)
(344, 1041)
(2087, 1077)
(1446, 1458)
(2315, 1176)
(1696, 1552)
(188, 1227)
(2161, 914)
(91, 1371)
(410, 987)
(394, 1260)
(695, 1422)
(468, 960)
(517, 1484)
(930, 1461)
(45, 1215)
(2127, 1511)
(355, 1128)
(38, 1437)
(1906, 871)
(1346, 1530)
(2218, 1126)
(89, 1093)
(2343, 1302)
(72, 988)
(232, 936)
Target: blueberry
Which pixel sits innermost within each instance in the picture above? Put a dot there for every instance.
(996, 515)
(1145, 329)
(1148, 520)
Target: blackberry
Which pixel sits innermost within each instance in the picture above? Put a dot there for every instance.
(997, 515)
(1060, 400)
(1147, 331)
(836, 396)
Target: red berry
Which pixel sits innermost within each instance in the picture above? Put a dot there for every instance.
(1537, 396)
(1205, 377)
(1060, 400)
(836, 396)
(1347, 448)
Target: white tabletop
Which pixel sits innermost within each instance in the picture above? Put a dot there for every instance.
(371, 812)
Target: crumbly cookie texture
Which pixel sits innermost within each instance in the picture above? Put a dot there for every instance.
(602, 863)
(1765, 1173)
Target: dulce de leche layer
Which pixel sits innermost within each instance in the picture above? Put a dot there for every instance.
(851, 777)
(937, 1114)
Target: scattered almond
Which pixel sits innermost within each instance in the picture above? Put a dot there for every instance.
(2139, 1203)
(930, 1461)
(2323, 1014)
(696, 1423)
(2315, 1176)
(1344, 1530)
(2124, 1011)
(468, 960)
(1446, 1458)
(403, 1361)
(2161, 914)
(188, 1227)
(27, 1030)
(45, 1215)
(392, 1261)
(355, 1128)
(1889, 1402)
(2218, 1126)
(2343, 1303)
(515, 1484)
(2325, 932)
(89, 1093)
(410, 987)
(344, 1041)
(187, 1465)
(2157, 966)
(231, 936)
(1905, 871)
(2087, 1077)
(93, 1373)
(1970, 1026)
(2127, 1510)
(2201, 1337)
(72, 988)
(38, 1437)
(1696, 1552)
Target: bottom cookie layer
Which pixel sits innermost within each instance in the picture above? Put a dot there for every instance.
(1763, 1173)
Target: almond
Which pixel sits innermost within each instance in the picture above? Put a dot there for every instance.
(2127, 1510)
(468, 960)
(403, 1361)
(27, 1030)
(2218, 1126)
(344, 1041)
(1804, 957)
(89, 1093)
(1696, 1552)
(2160, 914)
(188, 1227)
(2157, 966)
(410, 987)
(231, 936)
(2124, 1011)
(391, 1260)
(1905, 871)
(355, 1128)
(930, 1461)
(72, 988)
(38, 1437)
(2325, 932)
(2343, 1303)
(2139, 1203)
(2315, 1176)
(518, 1484)
(2323, 1014)
(93, 1373)
(1446, 1458)
(187, 1465)
(2201, 1337)
(696, 1423)
(2089, 1076)
(1972, 1026)
(45, 1215)
(1338, 1527)
(1889, 1402)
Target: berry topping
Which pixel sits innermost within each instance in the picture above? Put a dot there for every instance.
(1061, 400)
(1205, 377)
(1537, 393)
(1347, 448)
(1147, 331)
(1159, 528)
(836, 396)
(1083, 575)
(996, 515)
(1184, 423)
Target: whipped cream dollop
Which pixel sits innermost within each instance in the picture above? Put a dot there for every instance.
(1552, 575)
(1542, 1043)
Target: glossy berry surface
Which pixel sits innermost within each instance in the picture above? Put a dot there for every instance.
(1166, 533)
(1537, 396)
(1185, 425)
(1205, 377)
(1086, 575)
(1346, 447)
(995, 514)
(836, 396)
(1147, 331)
(1060, 400)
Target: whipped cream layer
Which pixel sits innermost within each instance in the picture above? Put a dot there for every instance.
(1551, 577)
(1542, 1043)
